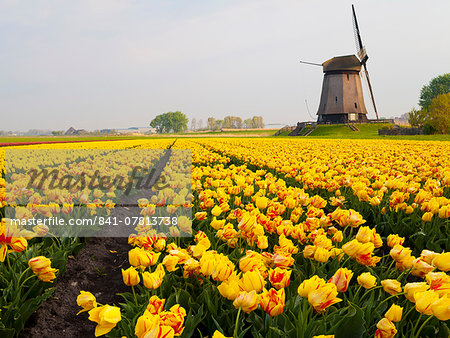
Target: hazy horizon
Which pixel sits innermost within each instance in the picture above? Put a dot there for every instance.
(116, 64)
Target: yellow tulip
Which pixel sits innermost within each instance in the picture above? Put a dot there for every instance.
(86, 300)
(230, 287)
(310, 285)
(391, 286)
(394, 314)
(427, 217)
(412, 288)
(366, 280)
(323, 297)
(442, 262)
(261, 202)
(252, 280)
(386, 329)
(441, 308)
(272, 302)
(155, 305)
(106, 317)
(130, 276)
(424, 299)
(247, 301)
(341, 279)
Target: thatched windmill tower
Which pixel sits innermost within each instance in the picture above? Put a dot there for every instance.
(342, 98)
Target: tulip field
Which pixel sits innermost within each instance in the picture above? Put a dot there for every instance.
(267, 238)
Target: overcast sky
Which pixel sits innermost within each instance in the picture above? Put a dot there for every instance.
(117, 63)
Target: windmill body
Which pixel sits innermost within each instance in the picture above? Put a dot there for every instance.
(342, 96)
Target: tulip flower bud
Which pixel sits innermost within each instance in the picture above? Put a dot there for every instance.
(412, 288)
(106, 318)
(391, 286)
(385, 328)
(86, 300)
(272, 302)
(441, 308)
(366, 280)
(252, 280)
(341, 279)
(424, 299)
(155, 305)
(323, 297)
(442, 261)
(394, 314)
(247, 301)
(130, 276)
(309, 285)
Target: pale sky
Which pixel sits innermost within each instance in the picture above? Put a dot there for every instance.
(116, 63)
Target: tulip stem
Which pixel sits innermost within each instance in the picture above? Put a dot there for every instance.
(423, 325)
(134, 294)
(368, 291)
(417, 324)
(356, 293)
(398, 294)
(26, 280)
(21, 275)
(237, 323)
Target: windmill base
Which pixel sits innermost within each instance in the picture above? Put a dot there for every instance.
(342, 118)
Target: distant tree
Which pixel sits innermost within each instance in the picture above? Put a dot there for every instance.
(211, 123)
(257, 122)
(200, 124)
(238, 123)
(417, 118)
(248, 123)
(219, 125)
(438, 85)
(227, 122)
(193, 124)
(171, 121)
(439, 113)
(56, 132)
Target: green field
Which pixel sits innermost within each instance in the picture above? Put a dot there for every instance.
(367, 131)
(339, 131)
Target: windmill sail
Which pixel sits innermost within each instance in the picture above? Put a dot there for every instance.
(362, 55)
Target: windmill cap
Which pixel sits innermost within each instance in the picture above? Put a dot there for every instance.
(342, 63)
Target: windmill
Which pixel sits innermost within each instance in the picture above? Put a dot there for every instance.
(342, 98)
(362, 54)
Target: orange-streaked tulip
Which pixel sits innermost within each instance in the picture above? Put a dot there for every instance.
(424, 299)
(386, 329)
(272, 302)
(252, 280)
(130, 276)
(280, 278)
(155, 305)
(323, 297)
(441, 308)
(394, 239)
(309, 285)
(412, 288)
(341, 279)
